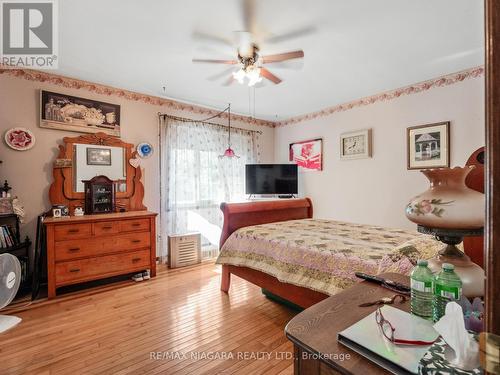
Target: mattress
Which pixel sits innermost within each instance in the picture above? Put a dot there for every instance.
(323, 255)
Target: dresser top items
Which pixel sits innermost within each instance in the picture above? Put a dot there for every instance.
(98, 217)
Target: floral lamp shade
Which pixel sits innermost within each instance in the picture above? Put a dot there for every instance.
(448, 203)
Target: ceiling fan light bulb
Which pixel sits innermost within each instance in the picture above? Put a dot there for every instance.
(239, 76)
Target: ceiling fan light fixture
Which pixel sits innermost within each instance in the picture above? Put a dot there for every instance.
(251, 73)
(239, 76)
(254, 76)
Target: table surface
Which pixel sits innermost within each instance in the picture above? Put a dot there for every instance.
(315, 329)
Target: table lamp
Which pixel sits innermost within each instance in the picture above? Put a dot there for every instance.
(450, 210)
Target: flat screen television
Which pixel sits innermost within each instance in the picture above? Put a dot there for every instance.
(271, 179)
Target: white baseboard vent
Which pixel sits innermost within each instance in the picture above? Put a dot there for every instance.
(184, 250)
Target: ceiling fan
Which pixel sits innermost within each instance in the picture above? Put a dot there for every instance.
(248, 57)
(251, 64)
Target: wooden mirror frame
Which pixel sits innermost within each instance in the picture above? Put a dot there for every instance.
(61, 191)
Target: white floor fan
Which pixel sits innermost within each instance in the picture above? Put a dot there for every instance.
(10, 279)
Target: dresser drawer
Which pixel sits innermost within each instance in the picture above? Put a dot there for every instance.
(67, 250)
(104, 266)
(72, 231)
(134, 225)
(132, 241)
(106, 227)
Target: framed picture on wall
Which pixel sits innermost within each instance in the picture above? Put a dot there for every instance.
(308, 155)
(98, 156)
(65, 112)
(356, 144)
(428, 146)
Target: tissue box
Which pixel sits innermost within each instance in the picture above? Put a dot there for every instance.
(434, 362)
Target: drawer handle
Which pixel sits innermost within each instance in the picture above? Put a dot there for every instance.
(74, 249)
(73, 230)
(108, 227)
(135, 260)
(136, 224)
(74, 270)
(136, 241)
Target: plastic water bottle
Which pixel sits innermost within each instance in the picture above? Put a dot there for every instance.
(447, 287)
(421, 290)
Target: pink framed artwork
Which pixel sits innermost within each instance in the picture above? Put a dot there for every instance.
(308, 155)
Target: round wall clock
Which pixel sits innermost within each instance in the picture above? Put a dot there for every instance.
(20, 139)
(144, 150)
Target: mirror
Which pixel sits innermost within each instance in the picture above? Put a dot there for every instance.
(84, 157)
(93, 160)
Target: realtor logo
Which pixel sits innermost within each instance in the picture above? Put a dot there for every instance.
(29, 34)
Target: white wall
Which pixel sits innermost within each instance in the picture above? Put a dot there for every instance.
(376, 190)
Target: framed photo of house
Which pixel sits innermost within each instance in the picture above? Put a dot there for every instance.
(429, 146)
(356, 144)
(98, 156)
(308, 155)
(65, 112)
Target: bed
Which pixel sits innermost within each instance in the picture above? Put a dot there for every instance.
(279, 247)
(304, 260)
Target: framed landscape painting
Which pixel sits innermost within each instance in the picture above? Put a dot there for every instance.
(429, 146)
(308, 155)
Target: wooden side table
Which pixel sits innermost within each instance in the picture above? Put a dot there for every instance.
(314, 331)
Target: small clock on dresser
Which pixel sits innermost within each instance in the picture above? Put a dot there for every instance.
(356, 145)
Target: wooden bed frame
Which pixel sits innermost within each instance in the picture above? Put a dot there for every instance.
(238, 215)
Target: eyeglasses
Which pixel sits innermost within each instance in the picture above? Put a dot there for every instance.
(388, 332)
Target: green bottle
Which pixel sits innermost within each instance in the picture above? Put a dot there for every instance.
(421, 290)
(447, 287)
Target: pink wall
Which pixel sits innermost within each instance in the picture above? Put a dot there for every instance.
(375, 190)
(30, 172)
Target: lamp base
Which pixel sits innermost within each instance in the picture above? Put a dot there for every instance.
(470, 273)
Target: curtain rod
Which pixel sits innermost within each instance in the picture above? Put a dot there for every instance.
(184, 119)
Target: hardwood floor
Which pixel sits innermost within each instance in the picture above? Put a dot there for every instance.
(177, 323)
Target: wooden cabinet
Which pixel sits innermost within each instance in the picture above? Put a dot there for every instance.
(91, 247)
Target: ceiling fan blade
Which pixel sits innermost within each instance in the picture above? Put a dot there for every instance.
(293, 34)
(295, 64)
(224, 73)
(270, 76)
(211, 39)
(229, 81)
(215, 61)
(282, 56)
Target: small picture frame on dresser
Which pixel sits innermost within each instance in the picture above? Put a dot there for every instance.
(356, 145)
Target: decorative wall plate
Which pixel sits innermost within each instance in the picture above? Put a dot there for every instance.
(20, 139)
(144, 150)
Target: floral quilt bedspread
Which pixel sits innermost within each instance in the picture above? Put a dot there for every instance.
(323, 255)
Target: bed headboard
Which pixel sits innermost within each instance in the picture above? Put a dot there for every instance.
(238, 215)
(474, 246)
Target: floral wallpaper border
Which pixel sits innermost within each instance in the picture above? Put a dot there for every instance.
(447, 80)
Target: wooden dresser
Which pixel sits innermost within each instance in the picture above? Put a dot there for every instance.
(91, 247)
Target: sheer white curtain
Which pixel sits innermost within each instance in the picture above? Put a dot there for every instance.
(195, 180)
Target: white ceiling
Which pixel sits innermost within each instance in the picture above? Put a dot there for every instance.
(353, 48)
